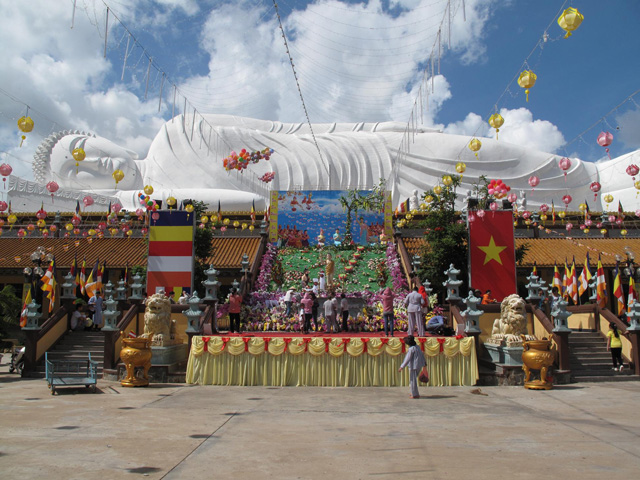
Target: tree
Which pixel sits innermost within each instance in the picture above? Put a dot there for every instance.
(445, 237)
(356, 200)
(202, 246)
(9, 305)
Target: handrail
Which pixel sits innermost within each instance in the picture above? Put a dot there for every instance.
(611, 317)
(128, 317)
(455, 312)
(560, 338)
(404, 259)
(544, 320)
(50, 322)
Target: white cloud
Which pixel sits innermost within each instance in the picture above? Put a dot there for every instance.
(520, 129)
(628, 131)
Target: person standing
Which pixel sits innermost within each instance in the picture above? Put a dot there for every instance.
(387, 311)
(307, 306)
(414, 359)
(487, 299)
(614, 345)
(414, 303)
(322, 282)
(95, 304)
(344, 308)
(235, 305)
(314, 310)
(288, 301)
(330, 314)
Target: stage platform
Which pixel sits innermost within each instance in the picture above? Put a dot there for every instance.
(316, 359)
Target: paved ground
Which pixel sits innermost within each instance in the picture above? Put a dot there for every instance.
(587, 431)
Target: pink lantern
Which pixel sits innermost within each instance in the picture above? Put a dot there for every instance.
(45, 234)
(139, 212)
(533, 182)
(569, 226)
(564, 164)
(41, 214)
(632, 171)
(480, 213)
(3, 206)
(526, 214)
(544, 208)
(116, 207)
(22, 232)
(53, 228)
(588, 222)
(76, 220)
(493, 206)
(512, 197)
(611, 218)
(5, 171)
(595, 188)
(144, 231)
(604, 140)
(88, 201)
(567, 200)
(53, 188)
(155, 215)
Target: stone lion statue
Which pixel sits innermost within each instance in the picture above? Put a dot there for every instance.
(512, 322)
(157, 321)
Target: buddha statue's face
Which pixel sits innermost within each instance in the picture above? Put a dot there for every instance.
(95, 172)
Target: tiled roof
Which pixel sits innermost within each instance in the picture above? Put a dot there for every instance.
(115, 251)
(545, 251)
(227, 251)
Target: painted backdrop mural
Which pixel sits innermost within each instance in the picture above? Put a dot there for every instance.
(312, 217)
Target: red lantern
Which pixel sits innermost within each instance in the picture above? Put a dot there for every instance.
(53, 188)
(5, 171)
(595, 188)
(564, 164)
(604, 140)
(632, 171)
(3, 206)
(88, 201)
(533, 181)
(566, 200)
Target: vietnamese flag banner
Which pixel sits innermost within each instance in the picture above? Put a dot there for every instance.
(492, 254)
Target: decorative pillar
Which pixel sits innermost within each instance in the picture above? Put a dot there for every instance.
(532, 287)
(452, 284)
(110, 315)
(472, 314)
(193, 314)
(108, 290)
(560, 315)
(211, 284)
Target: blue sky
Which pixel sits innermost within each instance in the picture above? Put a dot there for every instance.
(355, 61)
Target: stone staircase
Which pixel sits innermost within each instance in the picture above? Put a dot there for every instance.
(77, 346)
(591, 362)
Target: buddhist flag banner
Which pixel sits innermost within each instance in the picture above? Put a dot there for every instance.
(631, 299)
(585, 277)
(617, 290)
(25, 310)
(170, 260)
(492, 255)
(388, 215)
(601, 286)
(557, 280)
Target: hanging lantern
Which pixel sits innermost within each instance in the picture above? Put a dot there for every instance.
(569, 226)
(429, 198)
(543, 217)
(69, 227)
(544, 208)
(251, 228)
(88, 201)
(480, 213)
(447, 180)
(5, 171)
(608, 198)
(562, 214)
(604, 140)
(570, 20)
(437, 189)
(564, 164)
(632, 171)
(41, 223)
(595, 188)
(512, 197)
(493, 206)
(53, 228)
(623, 232)
(189, 208)
(12, 219)
(461, 168)
(475, 145)
(148, 189)
(236, 223)
(116, 207)
(244, 226)
(22, 233)
(496, 122)
(118, 175)
(52, 187)
(527, 80)
(582, 207)
(78, 155)
(226, 221)
(586, 230)
(25, 125)
(3, 206)
(204, 219)
(533, 182)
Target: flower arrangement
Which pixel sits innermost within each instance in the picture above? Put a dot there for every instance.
(393, 265)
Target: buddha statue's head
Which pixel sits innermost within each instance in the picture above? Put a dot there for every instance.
(53, 160)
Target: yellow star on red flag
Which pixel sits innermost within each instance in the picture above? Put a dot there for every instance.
(492, 252)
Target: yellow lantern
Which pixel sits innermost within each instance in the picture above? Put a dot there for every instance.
(118, 175)
(475, 145)
(608, 198)
(91, 232)
(171, 201)
(461, 168)
(437, 189)
(623, 232)
(251, 228)
(586, 230)
(562, 214)
(189, 208)
(129, 232)
(447, 180)
(12, 219)
(204, 219)
(148, 189)
(25, 125)
(603, 231)
(637, 184)
(570, 20)
(244, 226)
(423, 206)
(113, 231)
(236, 223)
(582, 207)
(69, 227)
(496, 122)
(408, 216)
(527, 80)
(41, 223)
(543, 217)
(226, 221)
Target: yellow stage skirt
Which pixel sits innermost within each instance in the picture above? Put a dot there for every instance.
(326, 361)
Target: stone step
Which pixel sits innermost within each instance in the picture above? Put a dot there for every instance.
(587, 341)
(602, 378)
(600, 371)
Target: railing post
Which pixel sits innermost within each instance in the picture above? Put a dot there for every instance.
(562, 341)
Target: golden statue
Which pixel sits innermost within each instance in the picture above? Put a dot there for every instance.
(329, 269)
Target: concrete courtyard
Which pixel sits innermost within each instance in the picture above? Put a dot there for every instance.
(585, 431)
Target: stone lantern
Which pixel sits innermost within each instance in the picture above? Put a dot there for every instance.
(32, 316)
(68, 287)
(452, 284)
(193, 314)
(211, 284)
(110, 314)
(136, 288)
(560, 315)
(121, 291)
(472, 314)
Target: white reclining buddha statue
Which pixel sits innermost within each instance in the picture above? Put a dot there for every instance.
(185, 161)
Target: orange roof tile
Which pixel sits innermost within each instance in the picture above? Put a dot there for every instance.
(227, 251)
(117, 252)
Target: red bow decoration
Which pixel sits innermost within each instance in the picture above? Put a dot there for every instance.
(306, 341)
(327, 341)
(422, 341)
(384, 340)
(246, 343)
(205, 340)
(287, 341)
(441, 342)
(224, 342)
(364, 342)
(266, 343)
(459, 337)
